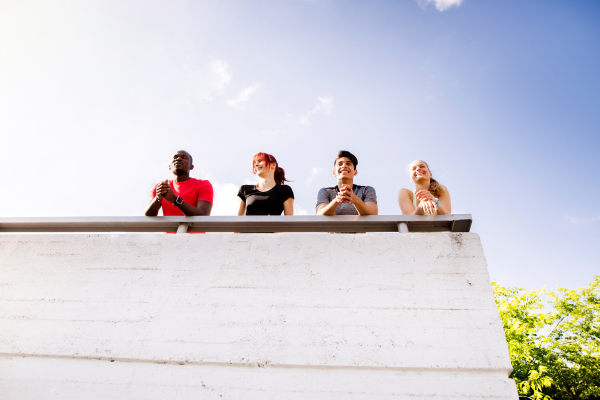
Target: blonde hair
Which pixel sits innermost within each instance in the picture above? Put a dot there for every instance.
(434, 186)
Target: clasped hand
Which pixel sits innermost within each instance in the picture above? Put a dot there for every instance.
(428, 202)
(163, 190)
(345, 195)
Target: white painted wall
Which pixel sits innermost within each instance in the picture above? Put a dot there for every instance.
(155, 316)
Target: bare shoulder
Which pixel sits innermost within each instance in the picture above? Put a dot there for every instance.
(405, 192)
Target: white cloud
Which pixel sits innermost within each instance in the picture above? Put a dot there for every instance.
(583, 221)
(242, 97)
(441, 5)
(304, 120)
(221, 75)
(225, 201)
(299, 210)
(313, 174)
(324, 107)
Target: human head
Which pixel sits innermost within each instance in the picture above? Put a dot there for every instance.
(344, 166)
(270, 163)
(348, 155)
(181, 162)
(419, 171)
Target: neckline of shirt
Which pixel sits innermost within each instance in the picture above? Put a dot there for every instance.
(260, 191)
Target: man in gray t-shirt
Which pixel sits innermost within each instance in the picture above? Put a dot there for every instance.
(346, 198)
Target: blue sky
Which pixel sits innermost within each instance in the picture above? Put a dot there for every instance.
(500, 97)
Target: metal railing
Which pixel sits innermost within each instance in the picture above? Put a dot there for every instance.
(254, 224)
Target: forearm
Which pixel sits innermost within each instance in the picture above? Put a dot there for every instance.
(445, 206)
(364, 209)
(443, 210)
(190, 211)
(329, 209)
(418, 211)
(152, 208)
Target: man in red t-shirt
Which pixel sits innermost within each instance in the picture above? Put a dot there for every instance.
(182, 195)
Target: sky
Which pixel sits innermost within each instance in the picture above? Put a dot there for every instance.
(501, 99)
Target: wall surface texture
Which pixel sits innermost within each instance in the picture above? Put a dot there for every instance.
(248, 316)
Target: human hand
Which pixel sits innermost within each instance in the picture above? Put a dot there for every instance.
(162, 188)
(350, 192)
(423, 195)
(429, 206)
(170, 196)
(344, 195)
(428, 202)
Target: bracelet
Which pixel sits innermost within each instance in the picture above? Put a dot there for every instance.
(159, 201)
(438, 201)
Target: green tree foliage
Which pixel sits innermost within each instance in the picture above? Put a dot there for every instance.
(553, 340)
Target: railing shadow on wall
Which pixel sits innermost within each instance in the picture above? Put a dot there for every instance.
(245, 224)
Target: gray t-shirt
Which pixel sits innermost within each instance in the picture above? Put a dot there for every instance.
(365, 193)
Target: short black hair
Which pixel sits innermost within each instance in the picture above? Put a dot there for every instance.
(348, 155)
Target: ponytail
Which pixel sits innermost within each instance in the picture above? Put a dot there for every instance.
(280, 176)
(435, 188)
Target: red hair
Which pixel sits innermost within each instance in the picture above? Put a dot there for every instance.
(268, 160)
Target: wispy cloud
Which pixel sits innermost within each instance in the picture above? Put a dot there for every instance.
(441, 5)
(221, 76)
(242, 97)
(323, 106)
(313, 174)
(583, 221)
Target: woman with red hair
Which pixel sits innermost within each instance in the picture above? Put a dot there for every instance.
(270, 196)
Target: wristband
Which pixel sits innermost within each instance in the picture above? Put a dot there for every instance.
(438, 201)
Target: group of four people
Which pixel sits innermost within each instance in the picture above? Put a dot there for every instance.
(271, 196)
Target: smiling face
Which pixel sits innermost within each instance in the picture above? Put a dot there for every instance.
(344, 168)
(419, 171)
(262, 169)
(181, 162)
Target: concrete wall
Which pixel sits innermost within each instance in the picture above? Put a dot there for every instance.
(286, 316)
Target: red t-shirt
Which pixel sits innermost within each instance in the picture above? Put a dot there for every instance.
(191, 191)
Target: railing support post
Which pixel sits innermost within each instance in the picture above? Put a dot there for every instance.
(403, 227)
(183, 227)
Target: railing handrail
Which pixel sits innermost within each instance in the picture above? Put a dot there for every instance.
(255, 224)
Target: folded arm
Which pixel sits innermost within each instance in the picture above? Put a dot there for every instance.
(328, 208)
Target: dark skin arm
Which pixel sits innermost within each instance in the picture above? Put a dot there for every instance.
(152, 208)
(154, 204)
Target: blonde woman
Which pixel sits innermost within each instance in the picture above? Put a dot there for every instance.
(428, 198)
